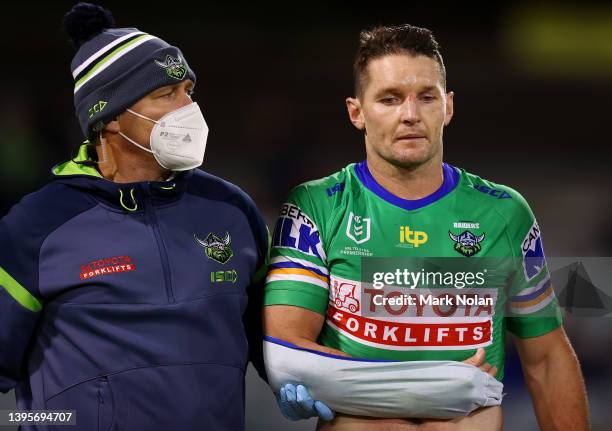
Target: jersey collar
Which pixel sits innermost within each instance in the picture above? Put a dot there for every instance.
(451, 179)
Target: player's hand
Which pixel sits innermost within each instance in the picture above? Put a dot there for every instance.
(478, 360)
(296, 403)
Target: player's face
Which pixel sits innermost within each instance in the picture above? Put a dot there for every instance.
(403, 110)
(154, 105)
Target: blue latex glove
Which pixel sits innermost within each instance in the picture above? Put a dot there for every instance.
(296, 403)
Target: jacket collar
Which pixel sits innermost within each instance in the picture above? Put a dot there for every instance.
(81, 172)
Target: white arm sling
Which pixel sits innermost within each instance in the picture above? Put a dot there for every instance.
(385, 389)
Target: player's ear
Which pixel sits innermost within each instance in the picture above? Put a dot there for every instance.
(450, 110)
(353, 105)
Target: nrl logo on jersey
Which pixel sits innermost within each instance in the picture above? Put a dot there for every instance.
(358, 228)
(467, 243)
(217, 249)
(174, 67)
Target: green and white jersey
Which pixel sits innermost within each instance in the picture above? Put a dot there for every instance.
(327, 226)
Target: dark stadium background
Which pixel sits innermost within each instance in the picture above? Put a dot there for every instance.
(533, 99)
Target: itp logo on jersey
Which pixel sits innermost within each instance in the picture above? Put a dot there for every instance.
(296, 230)
(533, 252)
(413, 238)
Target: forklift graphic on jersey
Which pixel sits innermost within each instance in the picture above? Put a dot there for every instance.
(343, 296)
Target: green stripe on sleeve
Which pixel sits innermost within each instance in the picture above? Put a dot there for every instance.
(18, 292)
(530, 326)
(298, 294)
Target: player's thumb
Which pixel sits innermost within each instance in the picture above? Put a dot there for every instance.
(324, 412)
(477, 359)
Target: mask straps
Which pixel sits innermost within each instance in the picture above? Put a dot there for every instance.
(103, 150)
(141, 116)
(148, 150)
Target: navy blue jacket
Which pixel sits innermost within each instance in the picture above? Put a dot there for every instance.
(128, 302)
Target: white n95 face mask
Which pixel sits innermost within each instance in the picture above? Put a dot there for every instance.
(178, 139)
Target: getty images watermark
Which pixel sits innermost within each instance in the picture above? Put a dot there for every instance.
(449, 303)
(452, 287)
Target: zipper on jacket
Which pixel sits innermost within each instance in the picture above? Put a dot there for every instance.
(163, 254)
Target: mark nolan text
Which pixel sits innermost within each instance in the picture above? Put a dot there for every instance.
(455, 300)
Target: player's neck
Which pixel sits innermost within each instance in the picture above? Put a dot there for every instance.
(411, 184)
(128, 165)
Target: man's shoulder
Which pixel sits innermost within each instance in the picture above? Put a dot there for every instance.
(494, 195)
(326, 189)
(208, 186)
(42, 211)
(212, 187)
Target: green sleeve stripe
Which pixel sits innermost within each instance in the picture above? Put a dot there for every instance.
(529, 326)
(18, 292)
(312, 297)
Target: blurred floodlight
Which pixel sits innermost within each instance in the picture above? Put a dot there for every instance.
(565, 41)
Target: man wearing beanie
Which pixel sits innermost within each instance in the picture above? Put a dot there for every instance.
(130, 284)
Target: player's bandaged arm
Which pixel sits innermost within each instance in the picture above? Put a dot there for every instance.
(385, 389)
(426, 389)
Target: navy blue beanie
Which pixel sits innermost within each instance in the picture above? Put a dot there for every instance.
(115, 67)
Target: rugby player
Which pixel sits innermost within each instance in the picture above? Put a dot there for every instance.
(405, 201)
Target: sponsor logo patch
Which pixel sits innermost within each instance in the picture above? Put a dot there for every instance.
(423, 326)
(533, 252)
(496, 193)
(338, 187)
(230, 276)
(294, 229)
(97, 108)
(109, 265)
(343, 296)
(412, 238)
(413, 335)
